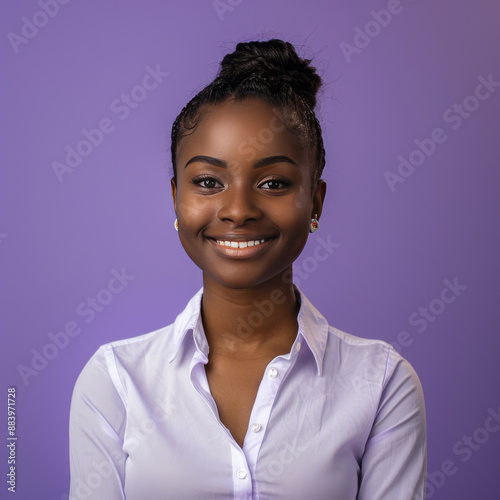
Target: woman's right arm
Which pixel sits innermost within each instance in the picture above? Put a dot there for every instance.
(97, 424)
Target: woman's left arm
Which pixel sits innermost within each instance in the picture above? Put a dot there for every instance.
(394, 462)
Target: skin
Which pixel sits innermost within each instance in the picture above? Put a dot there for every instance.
(236, 185)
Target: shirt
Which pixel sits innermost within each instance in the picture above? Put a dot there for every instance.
(338, 417)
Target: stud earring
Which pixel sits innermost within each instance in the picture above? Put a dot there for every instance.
(176, 225)
(314, 224)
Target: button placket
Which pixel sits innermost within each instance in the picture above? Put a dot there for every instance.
(261, 411)
(242, 478)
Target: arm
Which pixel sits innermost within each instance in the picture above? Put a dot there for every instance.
(97, 422)
(394, 462)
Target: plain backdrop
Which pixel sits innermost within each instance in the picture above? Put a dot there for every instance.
(410, 115)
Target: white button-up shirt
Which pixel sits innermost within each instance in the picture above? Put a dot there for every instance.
(338, 417)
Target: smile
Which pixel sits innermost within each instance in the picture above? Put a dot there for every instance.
(240, 249)
(240, 244)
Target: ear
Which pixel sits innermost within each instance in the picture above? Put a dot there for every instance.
(173, 185)
(319, 198)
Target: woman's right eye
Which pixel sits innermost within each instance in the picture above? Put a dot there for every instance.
(206, 182)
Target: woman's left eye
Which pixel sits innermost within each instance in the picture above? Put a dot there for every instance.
(273, 184)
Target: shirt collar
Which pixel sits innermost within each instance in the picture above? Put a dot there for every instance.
(313, 327)
(189, 320)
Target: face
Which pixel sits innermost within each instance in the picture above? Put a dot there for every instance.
(243, 196)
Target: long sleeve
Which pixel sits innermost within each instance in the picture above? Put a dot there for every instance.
(395, 458)
(339, 417)
(97, 421)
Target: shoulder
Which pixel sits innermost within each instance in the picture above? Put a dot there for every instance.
(369, 361)
(343, 355)
(136, 347)
(361, 346)
(115, 363)
(110, 364)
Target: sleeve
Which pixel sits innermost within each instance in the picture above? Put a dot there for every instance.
(97, 422)
(394, 462)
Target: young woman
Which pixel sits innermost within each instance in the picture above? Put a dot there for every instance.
(249, 394)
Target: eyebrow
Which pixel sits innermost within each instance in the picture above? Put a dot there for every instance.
(263, 162)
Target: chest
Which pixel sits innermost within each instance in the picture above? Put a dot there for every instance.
(178, 449)
(234, 386)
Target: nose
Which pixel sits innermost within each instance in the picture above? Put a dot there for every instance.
(239, 205)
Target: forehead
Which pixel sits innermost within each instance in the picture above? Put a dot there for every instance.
(241, 130)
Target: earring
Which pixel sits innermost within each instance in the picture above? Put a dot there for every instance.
(176, 225)
(314, 224)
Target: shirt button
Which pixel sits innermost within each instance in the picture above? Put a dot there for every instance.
(241, 473)
(273, 372)
(256, 427)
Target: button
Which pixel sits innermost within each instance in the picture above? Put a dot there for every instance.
(298, 346)
(241, 473)
(256, 427)
(273, 372)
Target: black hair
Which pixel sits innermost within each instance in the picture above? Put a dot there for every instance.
(272, 71)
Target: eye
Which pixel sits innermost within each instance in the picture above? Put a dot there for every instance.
(274, 184)
(207, 182)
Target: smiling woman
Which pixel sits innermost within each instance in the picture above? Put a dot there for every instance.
(288, 406)
(221, 196)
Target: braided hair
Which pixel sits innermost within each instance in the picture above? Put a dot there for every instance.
(272, 71)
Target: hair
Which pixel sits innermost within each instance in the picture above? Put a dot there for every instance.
(272, 71)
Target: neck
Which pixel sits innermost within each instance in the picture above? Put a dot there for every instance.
(250, 322)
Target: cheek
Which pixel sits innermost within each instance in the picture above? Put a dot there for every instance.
(297, 223)
(193, 212)
(297, 215)
(294, 225)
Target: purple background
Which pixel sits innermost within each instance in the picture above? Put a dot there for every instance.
(60, 241)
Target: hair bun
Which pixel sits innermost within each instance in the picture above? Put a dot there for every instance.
(275, 61)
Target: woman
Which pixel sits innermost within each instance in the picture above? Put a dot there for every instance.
(249, 394)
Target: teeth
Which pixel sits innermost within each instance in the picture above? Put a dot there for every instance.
(240, 244)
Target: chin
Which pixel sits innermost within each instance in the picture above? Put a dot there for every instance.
(237, 282)
(249, 278)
